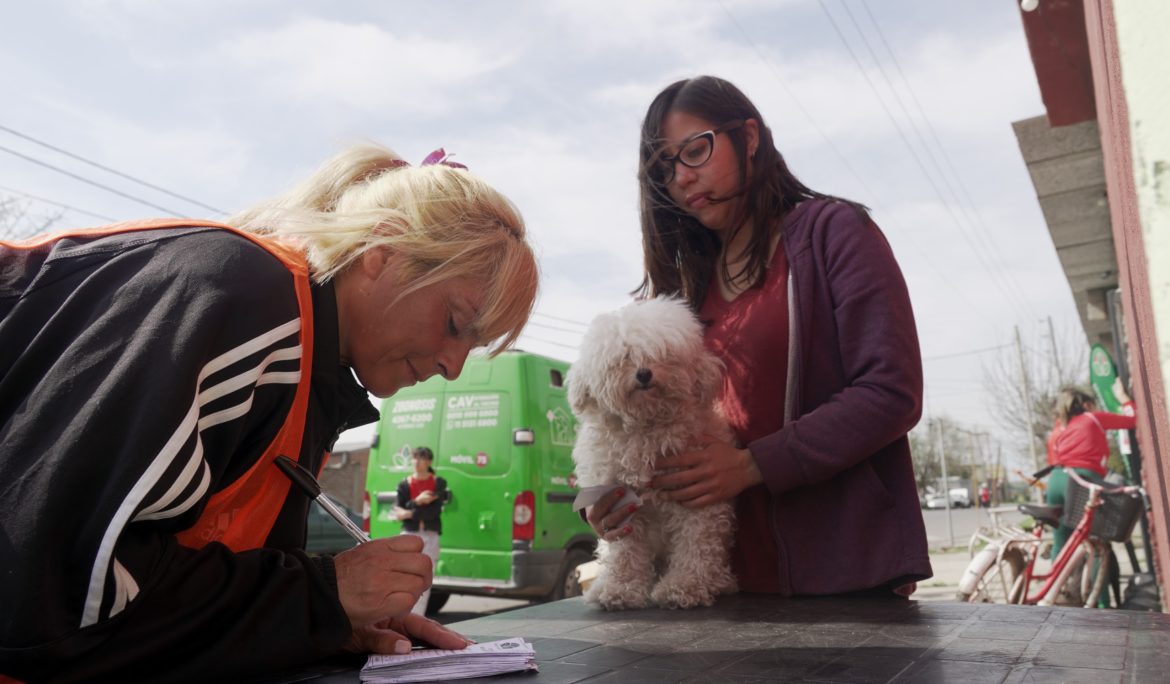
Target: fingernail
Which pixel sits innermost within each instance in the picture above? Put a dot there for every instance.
(401, 647)
(633, 507)
(621, 492)
(627, 529)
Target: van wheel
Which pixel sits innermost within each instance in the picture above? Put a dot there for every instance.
(436, 601)
(568, 584)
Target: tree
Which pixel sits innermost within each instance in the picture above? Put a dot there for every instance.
(924, 451)
(17, 222)
(1060, 361)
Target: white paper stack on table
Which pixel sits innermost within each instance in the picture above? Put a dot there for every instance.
(436, 665)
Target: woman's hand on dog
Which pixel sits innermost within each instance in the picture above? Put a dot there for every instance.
(608, 522)
(713, 473)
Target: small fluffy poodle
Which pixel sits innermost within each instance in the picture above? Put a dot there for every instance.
(644, 386)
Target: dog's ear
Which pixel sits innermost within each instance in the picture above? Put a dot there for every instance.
(580, 398)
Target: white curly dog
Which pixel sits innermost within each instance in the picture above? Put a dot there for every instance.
(643, 387)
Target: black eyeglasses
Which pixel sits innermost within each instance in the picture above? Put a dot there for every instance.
(694, 151)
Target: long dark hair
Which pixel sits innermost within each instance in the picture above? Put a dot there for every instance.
(677, 248)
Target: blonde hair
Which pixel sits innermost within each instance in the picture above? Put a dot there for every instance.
(445, 223)
(1072, 402)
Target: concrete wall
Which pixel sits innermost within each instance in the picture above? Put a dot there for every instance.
(344, 477)
(1142, 28)
(1129, 58)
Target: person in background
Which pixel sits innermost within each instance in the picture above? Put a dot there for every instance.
(1078, 441)
(421, 496)
(805, 304)
(151, 372)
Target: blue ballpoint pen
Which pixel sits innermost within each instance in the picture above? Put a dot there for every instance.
(312, 489)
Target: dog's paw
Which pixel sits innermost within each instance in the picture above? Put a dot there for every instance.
(683, 593)
(614, 596)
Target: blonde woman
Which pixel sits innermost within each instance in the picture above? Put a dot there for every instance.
(150, 374)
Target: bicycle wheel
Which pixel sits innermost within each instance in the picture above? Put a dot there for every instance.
(994, 576)
(1095, 572)
(1074, 581)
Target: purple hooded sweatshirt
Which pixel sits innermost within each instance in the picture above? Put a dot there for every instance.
(845, 510)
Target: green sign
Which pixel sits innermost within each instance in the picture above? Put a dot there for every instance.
(1102, 374)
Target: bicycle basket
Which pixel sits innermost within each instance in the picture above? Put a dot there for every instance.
(1115, 517)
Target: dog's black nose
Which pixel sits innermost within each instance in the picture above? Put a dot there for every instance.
(643, 376)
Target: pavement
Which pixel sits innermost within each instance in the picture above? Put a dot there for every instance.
(948, 565)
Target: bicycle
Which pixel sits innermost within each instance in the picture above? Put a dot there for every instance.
(1005, 570)
(997, 530)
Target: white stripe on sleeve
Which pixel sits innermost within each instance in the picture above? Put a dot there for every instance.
(146, 482)
(126, 588)
(250, 347)
(249, 377)
(181, 482)
(187, 503)
(104, 562)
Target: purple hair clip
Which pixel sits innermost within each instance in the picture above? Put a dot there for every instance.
(439, 156)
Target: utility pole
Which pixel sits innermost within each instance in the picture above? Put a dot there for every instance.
(997, 470)
(1055, 355)
(946, 486)
(1027, 402)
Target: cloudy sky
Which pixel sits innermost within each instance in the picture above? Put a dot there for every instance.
(904, 105)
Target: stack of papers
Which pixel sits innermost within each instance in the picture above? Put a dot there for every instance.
(436, 665)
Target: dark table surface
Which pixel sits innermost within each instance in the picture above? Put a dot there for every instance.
(756, 638)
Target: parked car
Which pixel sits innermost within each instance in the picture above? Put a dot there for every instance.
(326, 535)
(960, 498)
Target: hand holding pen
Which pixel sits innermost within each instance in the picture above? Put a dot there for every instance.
(378, 581)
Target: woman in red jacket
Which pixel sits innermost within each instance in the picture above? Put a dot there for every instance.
(805, 304)
(1078, 442)
(421, 496)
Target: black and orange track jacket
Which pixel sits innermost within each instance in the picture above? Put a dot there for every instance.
(149, 373)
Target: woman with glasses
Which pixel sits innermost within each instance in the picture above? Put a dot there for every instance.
(804, 303)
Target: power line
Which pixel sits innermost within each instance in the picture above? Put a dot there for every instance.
(986, 234)
(562, 320)
(546, 326)
(558, 344)
(913, 153)
(56, 204)
(966, 353)
(90, 182)
(107, 169)
(768, 63)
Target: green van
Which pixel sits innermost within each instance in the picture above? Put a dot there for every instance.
(502, 434)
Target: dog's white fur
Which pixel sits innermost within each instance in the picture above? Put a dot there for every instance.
(675, 557)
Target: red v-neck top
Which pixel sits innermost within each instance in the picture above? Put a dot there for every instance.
(750, 335)
(418, 486)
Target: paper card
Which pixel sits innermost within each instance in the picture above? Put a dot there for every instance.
(436, 665)
(588, 496)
